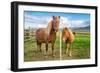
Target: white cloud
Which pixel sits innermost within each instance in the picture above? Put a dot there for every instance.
(36, 21)
(66, 22)
(76, 23)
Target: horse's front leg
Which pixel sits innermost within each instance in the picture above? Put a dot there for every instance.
(68, 50)
(53, 49)
(39, 46)
(46, 49)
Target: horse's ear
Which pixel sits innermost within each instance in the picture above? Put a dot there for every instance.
(59, 16)
(74, 33)
(53, 17)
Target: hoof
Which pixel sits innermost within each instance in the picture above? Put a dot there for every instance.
(45, 57)
(40, 50)
(70, 55)
(66, 52)
(53, 55)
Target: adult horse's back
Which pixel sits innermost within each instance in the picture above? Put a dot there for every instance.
(41, 35)
(48, 35)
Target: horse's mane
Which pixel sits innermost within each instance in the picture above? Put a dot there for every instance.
(69, 31)
(49, 27)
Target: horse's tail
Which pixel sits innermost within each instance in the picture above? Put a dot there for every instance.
(74, 33)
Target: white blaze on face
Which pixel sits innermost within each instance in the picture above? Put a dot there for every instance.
(64, 40)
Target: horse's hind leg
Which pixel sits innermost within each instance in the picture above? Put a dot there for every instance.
(40, 47)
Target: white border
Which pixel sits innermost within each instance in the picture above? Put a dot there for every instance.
(22, 64)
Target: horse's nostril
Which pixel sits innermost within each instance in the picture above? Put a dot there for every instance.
(56, 30)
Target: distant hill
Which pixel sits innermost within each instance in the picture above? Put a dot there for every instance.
(80, 29)
(76, 29)
(83, 29)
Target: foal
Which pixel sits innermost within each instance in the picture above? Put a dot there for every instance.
(68, 38)
(48, 35)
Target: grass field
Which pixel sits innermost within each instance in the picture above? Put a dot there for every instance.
(80, 49)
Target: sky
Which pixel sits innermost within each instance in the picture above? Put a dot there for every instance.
(41, 19)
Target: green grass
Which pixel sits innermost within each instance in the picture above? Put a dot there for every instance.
(80, 49)
(82, 46)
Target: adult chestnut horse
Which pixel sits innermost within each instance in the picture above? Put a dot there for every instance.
(48, 35)
(68, 38)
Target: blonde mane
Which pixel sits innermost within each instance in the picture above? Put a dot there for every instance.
(49, 27)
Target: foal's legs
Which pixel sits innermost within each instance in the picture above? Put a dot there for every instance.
(67, 47)
(68, 50)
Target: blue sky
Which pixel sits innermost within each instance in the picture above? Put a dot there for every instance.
(41, 19)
